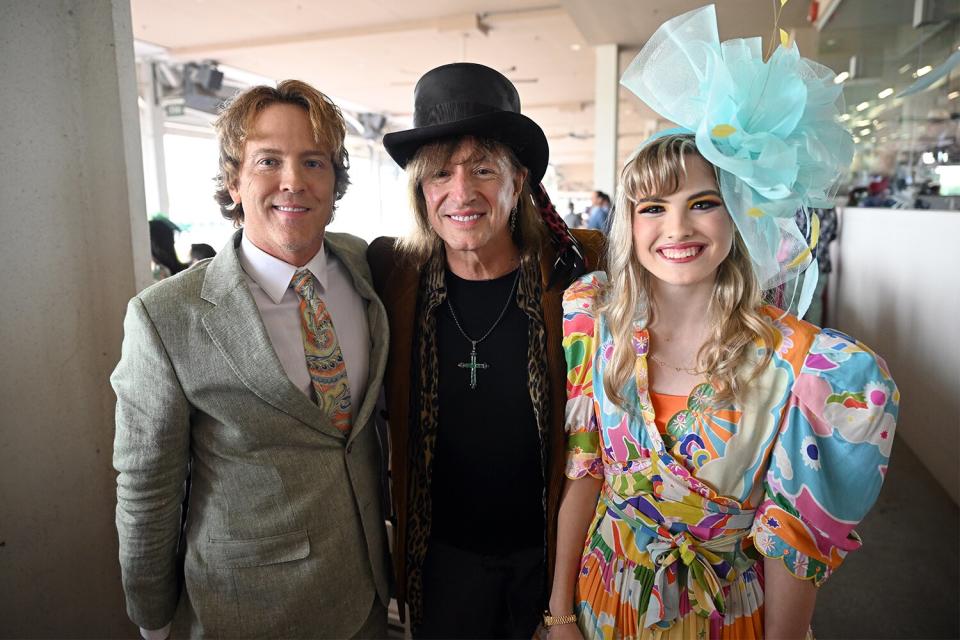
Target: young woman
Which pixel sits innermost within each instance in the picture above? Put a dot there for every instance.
(720, 452)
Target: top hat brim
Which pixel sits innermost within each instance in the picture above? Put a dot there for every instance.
(517, 131)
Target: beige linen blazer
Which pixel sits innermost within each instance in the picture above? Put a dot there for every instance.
(284, 532)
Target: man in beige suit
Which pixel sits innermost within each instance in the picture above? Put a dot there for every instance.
(255, 375)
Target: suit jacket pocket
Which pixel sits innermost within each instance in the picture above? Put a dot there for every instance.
(258, 552)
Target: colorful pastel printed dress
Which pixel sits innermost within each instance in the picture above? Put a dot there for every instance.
(684, 515)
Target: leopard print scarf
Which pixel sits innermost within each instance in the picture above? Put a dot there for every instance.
(425, 406)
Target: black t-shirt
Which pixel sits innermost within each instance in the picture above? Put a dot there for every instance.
(487, 485)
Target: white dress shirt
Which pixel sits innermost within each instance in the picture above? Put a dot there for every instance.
(269, 281)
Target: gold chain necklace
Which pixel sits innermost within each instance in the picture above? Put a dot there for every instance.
(660, 362)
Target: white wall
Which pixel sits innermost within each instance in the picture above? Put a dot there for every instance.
(72, 229)
(899, 292)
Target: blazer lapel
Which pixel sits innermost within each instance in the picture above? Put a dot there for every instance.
(355, 261)
(235, 326)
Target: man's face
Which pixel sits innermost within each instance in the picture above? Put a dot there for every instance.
(469, 201)
(285, 184)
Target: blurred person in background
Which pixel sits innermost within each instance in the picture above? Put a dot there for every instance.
(599, 213)
(573, 219)
(879, 194)
(201, 251)
(163, 253)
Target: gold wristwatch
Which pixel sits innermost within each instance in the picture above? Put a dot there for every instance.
(552, 621)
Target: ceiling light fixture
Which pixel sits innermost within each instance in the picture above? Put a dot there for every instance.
(922, 71)
(885, 93)
(862, 106)
(843, 75)
(953, 95)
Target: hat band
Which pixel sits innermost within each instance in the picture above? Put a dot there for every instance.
(447, 112)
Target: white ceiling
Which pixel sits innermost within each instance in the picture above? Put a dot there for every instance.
(368, 54)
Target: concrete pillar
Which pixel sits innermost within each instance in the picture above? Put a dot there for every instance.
(75, 249)
(606, 118)
(153, 123)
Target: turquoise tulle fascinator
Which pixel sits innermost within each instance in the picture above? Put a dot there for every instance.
(770, 127)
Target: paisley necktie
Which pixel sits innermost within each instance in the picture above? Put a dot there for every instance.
(328, 371)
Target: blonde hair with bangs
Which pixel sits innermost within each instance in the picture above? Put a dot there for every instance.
(422, 242)
(659, 169)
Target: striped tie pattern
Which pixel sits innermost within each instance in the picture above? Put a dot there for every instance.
(328, 371)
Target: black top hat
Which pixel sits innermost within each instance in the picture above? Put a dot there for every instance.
(463, 99)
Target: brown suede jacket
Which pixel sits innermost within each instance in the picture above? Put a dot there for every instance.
(398, 285)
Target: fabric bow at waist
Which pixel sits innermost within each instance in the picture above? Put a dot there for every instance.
(701, 559)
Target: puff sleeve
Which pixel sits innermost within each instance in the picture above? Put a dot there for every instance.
(579, 346)
(830, 458)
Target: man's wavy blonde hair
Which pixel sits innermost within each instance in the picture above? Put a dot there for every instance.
(235, 124)
(659, 169)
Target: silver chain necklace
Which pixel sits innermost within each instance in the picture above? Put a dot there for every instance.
(473, 365)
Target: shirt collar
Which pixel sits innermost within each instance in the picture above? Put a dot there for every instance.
(273, 274)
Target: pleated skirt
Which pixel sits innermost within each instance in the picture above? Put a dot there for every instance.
(615, 584)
